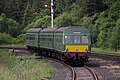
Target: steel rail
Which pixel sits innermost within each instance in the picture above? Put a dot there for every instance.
(92, 72)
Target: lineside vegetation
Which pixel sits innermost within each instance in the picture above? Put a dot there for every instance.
(13, 68)
(105, 51)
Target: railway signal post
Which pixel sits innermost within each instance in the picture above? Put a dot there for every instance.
(52, 14)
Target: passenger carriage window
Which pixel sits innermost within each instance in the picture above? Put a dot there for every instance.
(84, 39)
(76, 39)
(68, 39)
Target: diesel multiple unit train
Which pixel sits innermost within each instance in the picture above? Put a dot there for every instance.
(71, 44)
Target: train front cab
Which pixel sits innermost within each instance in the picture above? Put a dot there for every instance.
(77, 47)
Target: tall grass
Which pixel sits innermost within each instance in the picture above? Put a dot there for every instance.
(105, 51)
(13, 68)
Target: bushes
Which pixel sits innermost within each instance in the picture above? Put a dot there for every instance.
(64, 20)
(39, 22)
(43, 22)
(5, 38)
(20, 39)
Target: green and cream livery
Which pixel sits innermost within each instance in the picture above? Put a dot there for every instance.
(72, 43)
(77, 43)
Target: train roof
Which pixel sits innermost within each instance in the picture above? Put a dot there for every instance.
(34, 30)
(48, 30)
(61, 29)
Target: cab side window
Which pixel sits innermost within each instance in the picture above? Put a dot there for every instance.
(85, 39)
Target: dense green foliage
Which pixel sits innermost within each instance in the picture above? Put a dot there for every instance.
(5, 38)
(9, 26)
(20, 39)
(8, 39)
(101, 17)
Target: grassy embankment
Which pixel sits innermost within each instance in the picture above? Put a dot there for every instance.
(16, 46)
(106, 51)
(13, 68)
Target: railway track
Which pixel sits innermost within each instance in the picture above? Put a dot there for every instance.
(80, 73)
(84, 73)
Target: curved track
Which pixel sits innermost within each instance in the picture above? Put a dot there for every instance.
(79, 73)
(85, 73)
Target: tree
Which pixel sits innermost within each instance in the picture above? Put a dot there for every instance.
(39, 23)
(13, 9)
(43, 22)
(94, 6)
(102, 39)
(115, 37)
(105, 33)
(64, 20)
(9, 26)
(3, 23)
(13, 28)
(114, 12)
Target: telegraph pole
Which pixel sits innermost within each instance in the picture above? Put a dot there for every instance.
(52, 14)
